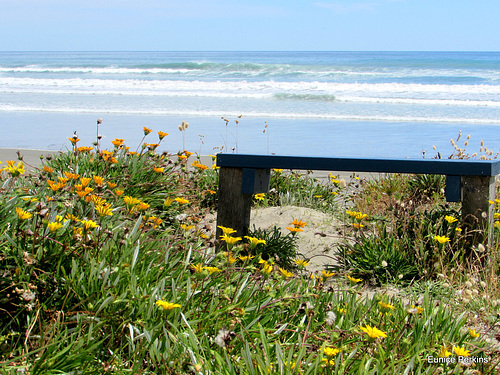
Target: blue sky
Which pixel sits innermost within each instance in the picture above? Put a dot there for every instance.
(352, 25)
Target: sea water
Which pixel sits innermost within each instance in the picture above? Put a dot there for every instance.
(385, 104)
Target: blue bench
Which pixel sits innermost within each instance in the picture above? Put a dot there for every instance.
(470, 181)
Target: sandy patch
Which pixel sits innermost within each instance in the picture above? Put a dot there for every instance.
(318, 240)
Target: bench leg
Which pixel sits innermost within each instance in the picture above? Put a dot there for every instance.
(477, 212)
(233, 209)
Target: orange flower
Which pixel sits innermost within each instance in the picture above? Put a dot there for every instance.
(98, 180)
(70, 175)
(85, 149)
(158, 169)
(298, 223)
(85, 181)
(117, 142)
(162, 135)
(181, 200)
(146, 130)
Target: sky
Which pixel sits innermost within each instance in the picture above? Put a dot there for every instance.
(249, 25)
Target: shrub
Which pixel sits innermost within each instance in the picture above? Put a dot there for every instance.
(279, 247)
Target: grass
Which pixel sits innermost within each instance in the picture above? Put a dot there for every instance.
(108, 267)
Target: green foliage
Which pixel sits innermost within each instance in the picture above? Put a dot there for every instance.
(279, 247)
(136, 294)
(426, 184)
(381, 259)
(404, 250)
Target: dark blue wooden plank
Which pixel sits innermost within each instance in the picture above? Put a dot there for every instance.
(416, 166)
(453, 188)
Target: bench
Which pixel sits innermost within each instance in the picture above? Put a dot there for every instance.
(240, 176)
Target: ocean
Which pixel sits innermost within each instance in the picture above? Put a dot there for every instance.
(380, 104)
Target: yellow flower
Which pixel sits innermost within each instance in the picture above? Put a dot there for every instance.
(146, 130)
(331, 352)
(443, 353)
(230, 240)
(298, 223)
(158, 169)
(255, 241)
(89, 224)
(330, 362)
(352, 279)
(23, 215)
(259, 196)
(53, 226)
(461, 351)
(181, 200)
(167, 305)
(278, 171)
(442, 239)
(73, 140)
(211, 192)
(182, 157)
(473, 333)
(168, 202)
(450, 219)
(197, 268)
(360, 216)
(301, 262)
(415, 309)
(187, 227)
(104, 210)
(294, 230)
(212, 270)
(285, 273)
(48, 169)
(162, 135)
(244, 258)
(14, 170)
(352, 213)
(373, 332)
(71, 217)
(226, 230)
(266, 269)
(327, 274)
(386, 305)
(111, 185)
(130, 201)
(98, 201)
(118, 192)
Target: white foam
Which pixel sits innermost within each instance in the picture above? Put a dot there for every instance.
(487, 94)
(284, 115)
